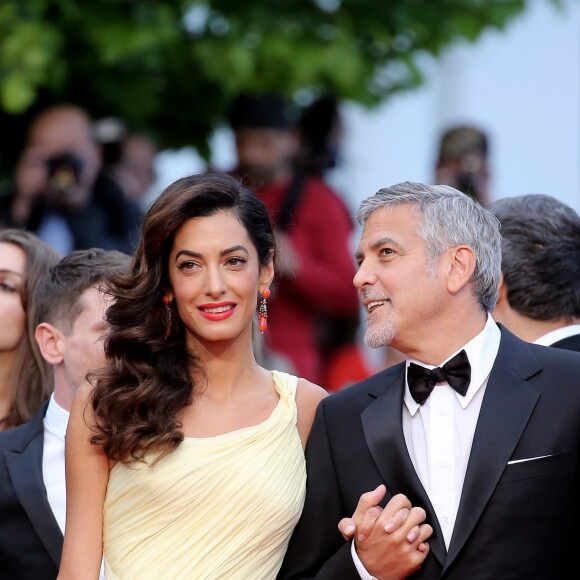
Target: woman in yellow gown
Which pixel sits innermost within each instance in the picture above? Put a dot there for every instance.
(184, 456)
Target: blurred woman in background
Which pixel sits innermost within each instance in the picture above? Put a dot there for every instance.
(25, 380)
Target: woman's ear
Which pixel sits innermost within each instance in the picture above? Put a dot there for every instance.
(167, 295)
(267, 271)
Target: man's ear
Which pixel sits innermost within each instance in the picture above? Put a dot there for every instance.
(50, 343)
(460, 268)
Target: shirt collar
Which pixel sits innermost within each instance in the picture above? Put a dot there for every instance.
(481, 351)
(558, 334)
(56, 418)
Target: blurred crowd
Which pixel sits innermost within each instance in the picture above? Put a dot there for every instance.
(81, 183)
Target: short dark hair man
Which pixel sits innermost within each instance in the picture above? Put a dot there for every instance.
(539, 292)
(70, 326)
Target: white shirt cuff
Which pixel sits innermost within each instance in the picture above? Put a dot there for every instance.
(359, 565)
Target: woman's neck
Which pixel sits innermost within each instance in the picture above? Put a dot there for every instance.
(228, 367)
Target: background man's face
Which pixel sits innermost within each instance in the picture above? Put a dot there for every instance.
(264, 154)
(83, 345)
(63, 134)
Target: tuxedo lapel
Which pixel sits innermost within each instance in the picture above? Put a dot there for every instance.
(383, 430)
(507, 405)
(25, 471)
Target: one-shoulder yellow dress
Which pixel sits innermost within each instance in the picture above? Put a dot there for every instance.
(216, 507)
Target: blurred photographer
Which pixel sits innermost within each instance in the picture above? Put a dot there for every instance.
(462, 162)
(60, 192)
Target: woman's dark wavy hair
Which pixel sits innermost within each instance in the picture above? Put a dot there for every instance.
(147, 378)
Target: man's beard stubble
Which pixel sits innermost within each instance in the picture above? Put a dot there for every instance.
(378, 334)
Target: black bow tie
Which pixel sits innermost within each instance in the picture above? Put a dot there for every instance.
(456, 372)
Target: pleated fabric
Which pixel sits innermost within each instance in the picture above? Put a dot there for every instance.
(217, 507)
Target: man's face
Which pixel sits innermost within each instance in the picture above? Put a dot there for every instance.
(264, 154)
(468, 174)
(82, 349)
(398, 291)
(58, 135)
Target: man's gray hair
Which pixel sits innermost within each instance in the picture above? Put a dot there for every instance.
(449, 218)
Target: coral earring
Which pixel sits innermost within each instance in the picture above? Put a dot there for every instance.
(263, 323)
(263, 311)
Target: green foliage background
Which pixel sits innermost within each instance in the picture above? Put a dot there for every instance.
(171, 67)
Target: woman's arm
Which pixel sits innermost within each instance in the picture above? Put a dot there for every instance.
(87, 474)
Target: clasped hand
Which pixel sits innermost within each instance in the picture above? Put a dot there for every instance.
(390, 542)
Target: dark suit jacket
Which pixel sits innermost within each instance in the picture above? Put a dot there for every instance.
(515, 520)
(30, 539)
(568, 343)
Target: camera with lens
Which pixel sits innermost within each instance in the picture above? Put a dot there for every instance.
(64, 171)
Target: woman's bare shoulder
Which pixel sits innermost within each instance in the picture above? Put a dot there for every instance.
(308, 396)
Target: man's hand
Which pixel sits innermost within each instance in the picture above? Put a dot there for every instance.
(390, 543)
(368, 511)
(30, 178)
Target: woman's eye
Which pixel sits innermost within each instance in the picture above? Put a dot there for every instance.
(8, 287)
(236, 261)
(187, 265)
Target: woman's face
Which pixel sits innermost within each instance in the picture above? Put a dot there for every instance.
(12, 266)
(216, 277)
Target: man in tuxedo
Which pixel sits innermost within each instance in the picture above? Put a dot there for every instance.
(478, 427)
(70, 324)
(539, 292)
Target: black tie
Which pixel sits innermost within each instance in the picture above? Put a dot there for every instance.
(456, 372)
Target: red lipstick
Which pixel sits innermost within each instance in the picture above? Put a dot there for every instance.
(217, 310)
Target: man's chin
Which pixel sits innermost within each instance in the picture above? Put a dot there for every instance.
(379, 337)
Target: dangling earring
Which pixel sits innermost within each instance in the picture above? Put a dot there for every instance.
(263, 311)
(167, 302)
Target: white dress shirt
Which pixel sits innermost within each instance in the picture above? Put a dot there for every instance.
(53, 470)
(55, 423)
(558, 334)
(439, 433)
